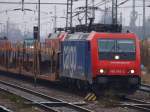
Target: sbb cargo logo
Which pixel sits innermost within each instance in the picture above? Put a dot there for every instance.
(69, 59)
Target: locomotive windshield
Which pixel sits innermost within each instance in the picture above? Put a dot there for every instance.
(124, 49)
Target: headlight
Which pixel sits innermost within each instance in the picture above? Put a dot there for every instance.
(117, 57)
(132, 71)
(101, 70)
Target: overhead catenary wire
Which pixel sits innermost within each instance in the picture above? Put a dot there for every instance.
(32, 3)
(123, 2)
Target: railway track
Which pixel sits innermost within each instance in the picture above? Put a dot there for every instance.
(43, 101)
(139, 104)
(136, 104)
(145, 88)
(4, 109)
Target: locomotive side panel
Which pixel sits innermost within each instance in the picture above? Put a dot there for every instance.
(75, 60)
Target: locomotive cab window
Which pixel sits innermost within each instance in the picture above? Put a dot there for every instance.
(125, 46)
(116, 49)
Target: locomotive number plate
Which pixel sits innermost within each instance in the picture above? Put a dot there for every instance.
(118, 71)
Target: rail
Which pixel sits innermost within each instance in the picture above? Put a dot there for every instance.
(39, 99)
(4, 109)
(136, 104)
(145, 88)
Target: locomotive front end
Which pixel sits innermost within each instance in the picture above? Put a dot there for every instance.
(116, 60)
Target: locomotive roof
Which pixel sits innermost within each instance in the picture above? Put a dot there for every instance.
(53, 35)
(78, 35)
(89, 36)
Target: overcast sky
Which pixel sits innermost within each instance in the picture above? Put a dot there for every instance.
(26, 20)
